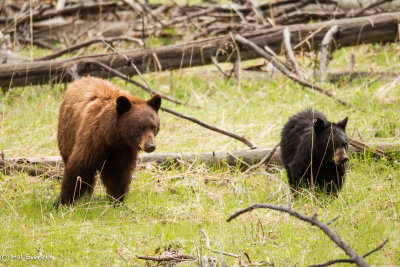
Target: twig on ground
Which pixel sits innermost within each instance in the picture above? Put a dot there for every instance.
(214, 250)
(266, 159)
(333, 220)
(242, 190)
(237, 71)
(365, 147)
(211, 127)
(215, 61)
(360, 135)
(286, 71)
(189, 18)
(326, 41)
(241, 258)
(236, 64)
(168, 257)
(148, 10)
(281, 184)
(223, 263)
(354, 257)
(377, 248)
(88, 43)
(289, 53)
(238, 159)
(35, 169)
(370, 6)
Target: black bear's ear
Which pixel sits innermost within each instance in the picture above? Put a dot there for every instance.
(123, 104)
(342, 124)
(319, 125)
(155, 102)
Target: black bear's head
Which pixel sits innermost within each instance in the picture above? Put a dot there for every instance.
(138, 121)
(332, 138)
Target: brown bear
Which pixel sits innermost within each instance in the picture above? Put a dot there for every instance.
(102, 128)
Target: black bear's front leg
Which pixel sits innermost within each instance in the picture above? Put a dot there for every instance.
(331, 177)
(300, 167)
(300, 174)
(116, 173)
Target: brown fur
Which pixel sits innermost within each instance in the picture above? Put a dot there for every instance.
(102, 128)
(340, 155)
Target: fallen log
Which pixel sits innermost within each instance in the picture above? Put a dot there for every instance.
(231, 158)
(337, 76)
(306, 37)
(168, 257)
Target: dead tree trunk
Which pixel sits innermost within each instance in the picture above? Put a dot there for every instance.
(231, 158)
(306, 37)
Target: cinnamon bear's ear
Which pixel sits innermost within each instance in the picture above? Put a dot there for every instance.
(155, 102)
(319, 125)
(123, 104)
(342, 124)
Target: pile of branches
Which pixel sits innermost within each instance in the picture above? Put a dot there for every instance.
(44, 23)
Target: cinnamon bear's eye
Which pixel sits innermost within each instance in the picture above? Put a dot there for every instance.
(155, 129)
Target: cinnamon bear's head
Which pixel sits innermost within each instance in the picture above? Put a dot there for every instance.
(138, 121)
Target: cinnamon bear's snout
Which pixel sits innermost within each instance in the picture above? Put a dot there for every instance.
(148, 141)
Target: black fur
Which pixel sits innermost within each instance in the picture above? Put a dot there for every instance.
(308, 151)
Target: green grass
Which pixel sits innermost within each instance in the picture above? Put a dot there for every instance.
(167, 207)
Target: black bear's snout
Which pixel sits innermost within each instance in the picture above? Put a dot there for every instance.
(340, 156)
(149, 147)
(344, 159)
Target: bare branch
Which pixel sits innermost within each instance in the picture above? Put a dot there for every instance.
(215, 61)
(88, 43)
(285, 71)
(377, 28)
(376, 249)
(370, 6)
(169, 257)
(211, 127)
(266, 160)
(332, 262)
(214, 250)
(289, 52)
(354, 257)
(128, 79)
(365, 147)
(351, 260)
(324, 50)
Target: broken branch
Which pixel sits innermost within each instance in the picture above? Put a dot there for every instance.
(289, 53)
(371, 29)
(172, 257)
(88, 43)
(324, 50)
(354, 257)
(286, 71)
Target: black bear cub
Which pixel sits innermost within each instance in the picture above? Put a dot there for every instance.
(314, 151)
